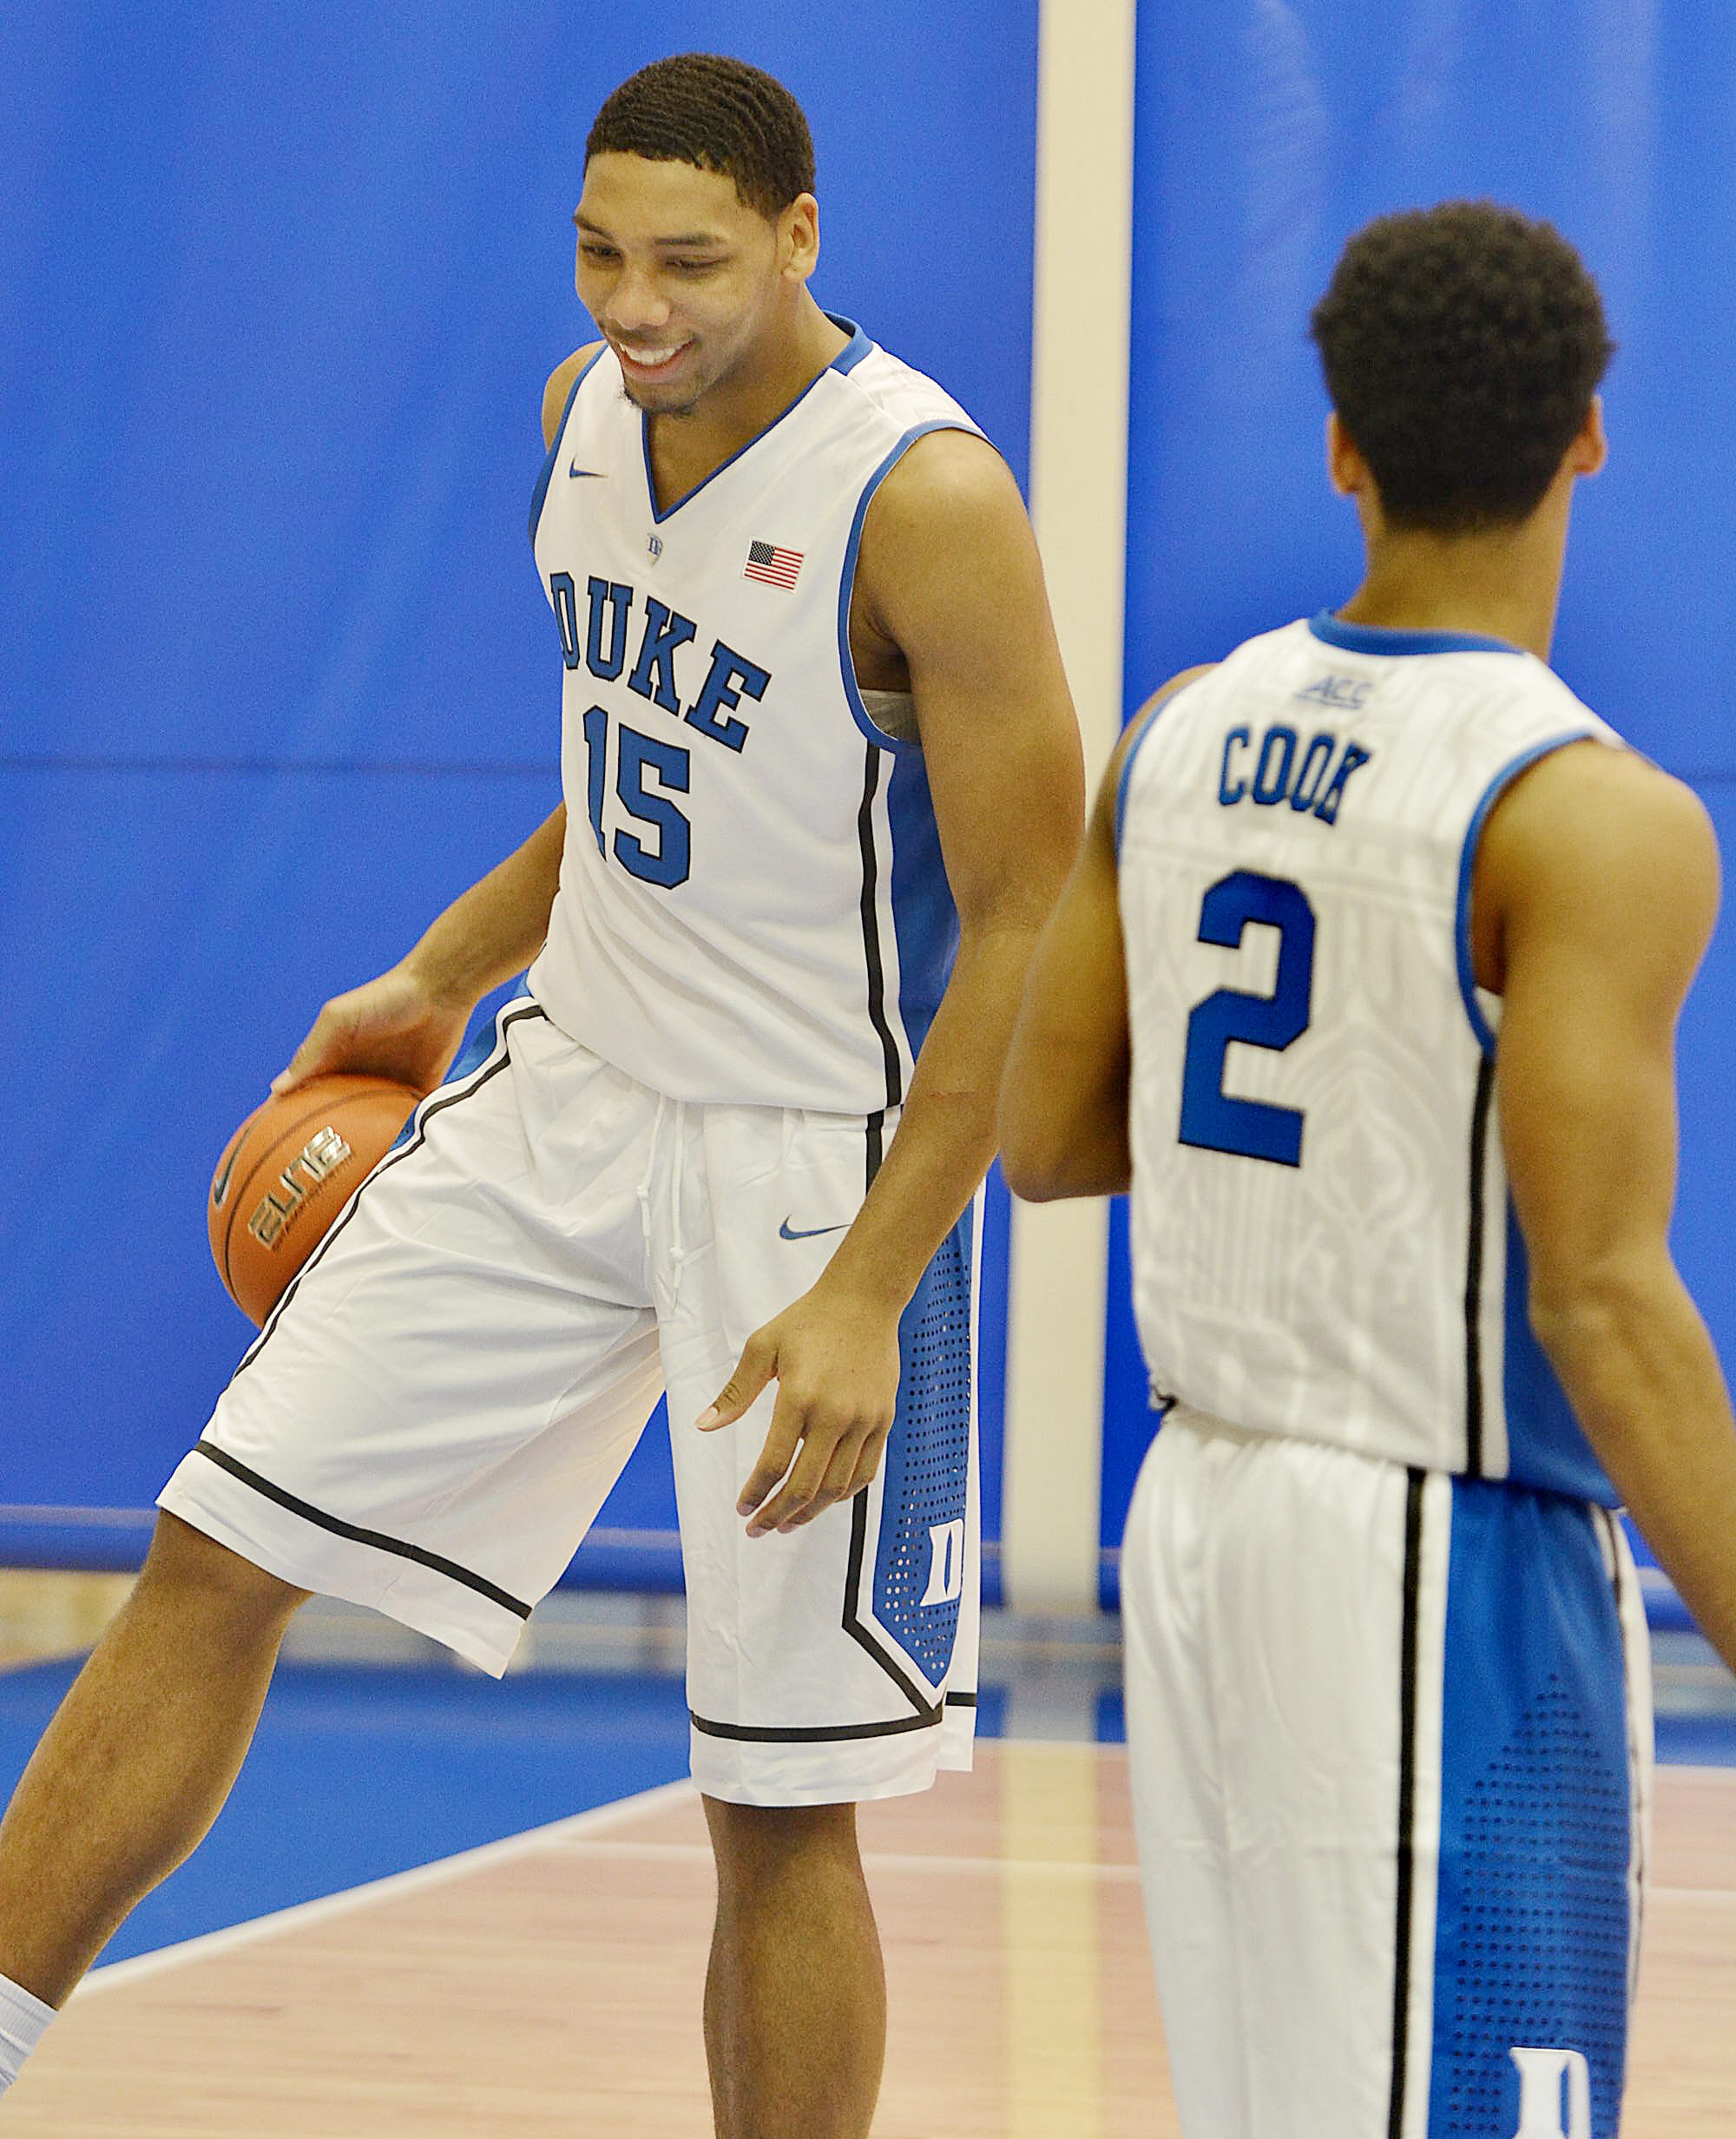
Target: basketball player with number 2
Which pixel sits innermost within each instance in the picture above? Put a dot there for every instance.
(1368, 979)
(823, 783)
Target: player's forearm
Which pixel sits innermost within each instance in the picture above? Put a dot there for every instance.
(946, 1134)
(496, 928)
(1644, 1379)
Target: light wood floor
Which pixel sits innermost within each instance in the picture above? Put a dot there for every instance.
(551, 1985)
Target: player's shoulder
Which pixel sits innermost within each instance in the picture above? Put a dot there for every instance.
(1136, 729)
(948, 484)
(902, 397)
(1596, 794)
(562, 380)
(1595, 827)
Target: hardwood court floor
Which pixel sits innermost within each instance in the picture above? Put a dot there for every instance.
(551, 1985)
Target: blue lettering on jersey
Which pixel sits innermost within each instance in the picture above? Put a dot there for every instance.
(1311, 777)
(618, 600)
(1312, 780)
(1327, 808)
(566, 615)
(730, 673)
(1271, 777)
(664, 630)
(1229, 791)
(731, 676)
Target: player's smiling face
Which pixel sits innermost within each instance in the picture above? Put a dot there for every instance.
(682, 278)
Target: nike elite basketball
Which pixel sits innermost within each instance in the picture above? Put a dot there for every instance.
(286, 1173)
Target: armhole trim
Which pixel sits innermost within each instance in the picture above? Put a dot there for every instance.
(1491, 794)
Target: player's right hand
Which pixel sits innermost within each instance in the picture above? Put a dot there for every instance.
(392, 1027)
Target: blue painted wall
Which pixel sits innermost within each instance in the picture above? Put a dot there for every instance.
(281, 292)
(1266, 136)
(278, 680)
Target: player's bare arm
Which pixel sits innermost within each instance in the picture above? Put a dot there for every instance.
(1595, 893)
(408, 1023)
(949, 593)
(1063, 1117)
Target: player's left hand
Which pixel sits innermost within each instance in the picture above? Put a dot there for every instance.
(835, 1358)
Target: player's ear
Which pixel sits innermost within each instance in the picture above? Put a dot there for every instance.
(1345, 464)
(1590, 448)
(799, 237)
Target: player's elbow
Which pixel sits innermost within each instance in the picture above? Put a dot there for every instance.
(1066, 1177)
(1034, 1174)
(1585, 1313)
(1046, 1153)
(1030, 1154)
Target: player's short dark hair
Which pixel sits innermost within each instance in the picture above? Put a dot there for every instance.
(1462, 346)
(719, 115)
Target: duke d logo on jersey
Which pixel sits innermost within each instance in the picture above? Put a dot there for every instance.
(946, 1563)
(1554, 2094)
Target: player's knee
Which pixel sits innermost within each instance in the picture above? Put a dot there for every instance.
(185, 1565)
(754, 1843)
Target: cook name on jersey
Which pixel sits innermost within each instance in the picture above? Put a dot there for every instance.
(608, 628)
(1311, 778)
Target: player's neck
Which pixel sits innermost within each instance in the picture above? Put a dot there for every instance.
(1503, 585)
(735, 411)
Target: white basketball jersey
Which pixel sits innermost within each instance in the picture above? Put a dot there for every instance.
(1323, 1243)
(752, 907)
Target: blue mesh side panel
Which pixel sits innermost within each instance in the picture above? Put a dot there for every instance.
(1532, 1928)
(927, 1459)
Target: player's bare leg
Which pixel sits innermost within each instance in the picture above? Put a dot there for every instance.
(139, 1757)
(795, 2006)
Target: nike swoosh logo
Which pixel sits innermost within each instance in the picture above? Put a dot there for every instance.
(808, 1232)
(220, 1188)
(574, 469)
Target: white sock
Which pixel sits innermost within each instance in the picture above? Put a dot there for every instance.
(24, 2022)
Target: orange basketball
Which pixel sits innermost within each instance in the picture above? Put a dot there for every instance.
(286, 1173)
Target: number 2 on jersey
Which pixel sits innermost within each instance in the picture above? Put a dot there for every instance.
(668, 862)
(1210, 1117)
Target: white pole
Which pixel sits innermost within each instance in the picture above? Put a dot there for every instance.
(1059, 1253)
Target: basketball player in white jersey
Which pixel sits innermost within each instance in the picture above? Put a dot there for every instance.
(1368, 978)
(823, 783)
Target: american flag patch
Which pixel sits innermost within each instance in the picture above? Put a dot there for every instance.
(778, 567)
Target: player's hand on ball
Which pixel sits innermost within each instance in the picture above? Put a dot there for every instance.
(392, 1027)
(835, 1358)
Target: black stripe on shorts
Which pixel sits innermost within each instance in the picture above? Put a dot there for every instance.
(358, 1535)
(830, 1734)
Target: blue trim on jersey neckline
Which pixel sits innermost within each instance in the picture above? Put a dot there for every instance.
(846, 580)
(846, 360)
(1491, 794)
(1383, 639)
(541, 489)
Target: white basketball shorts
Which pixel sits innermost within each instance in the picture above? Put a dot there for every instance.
(437, 1408)
(1392, 1744)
